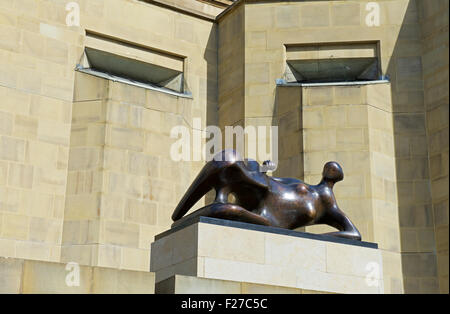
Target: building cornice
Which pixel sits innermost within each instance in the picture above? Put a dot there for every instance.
(237, 3)
(229, 9)
(205, 9)
(218, 3)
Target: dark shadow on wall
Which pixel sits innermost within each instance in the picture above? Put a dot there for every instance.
(434, 20)
(419, 263)
(288, 117)
(211, 57)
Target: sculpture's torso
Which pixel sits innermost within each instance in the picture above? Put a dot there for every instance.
(287, 203)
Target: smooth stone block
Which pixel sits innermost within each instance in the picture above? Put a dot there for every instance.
(38, 277)
(193, 285)
(225, 250)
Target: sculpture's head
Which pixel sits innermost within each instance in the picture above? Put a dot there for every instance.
(332, 172)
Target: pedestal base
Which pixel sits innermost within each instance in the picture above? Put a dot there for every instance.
(233, 251)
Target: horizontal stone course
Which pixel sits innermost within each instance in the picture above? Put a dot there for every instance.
(179, 284)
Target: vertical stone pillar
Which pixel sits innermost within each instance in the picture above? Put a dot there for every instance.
(121, 188)
(81, 228)
(353, 126)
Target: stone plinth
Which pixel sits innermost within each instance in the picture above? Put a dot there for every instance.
(232, 251)
(179, 284)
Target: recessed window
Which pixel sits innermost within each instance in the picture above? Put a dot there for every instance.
(118, 60)
(332, 63)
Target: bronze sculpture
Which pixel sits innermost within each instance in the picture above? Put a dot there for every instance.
(264, 200)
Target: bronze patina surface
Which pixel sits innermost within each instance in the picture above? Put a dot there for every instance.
(264, 200)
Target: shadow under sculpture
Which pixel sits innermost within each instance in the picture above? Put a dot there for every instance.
(264, 200)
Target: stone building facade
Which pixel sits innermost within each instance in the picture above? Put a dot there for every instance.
(86, 174)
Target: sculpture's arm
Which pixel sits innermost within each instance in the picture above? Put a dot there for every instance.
(337, 219)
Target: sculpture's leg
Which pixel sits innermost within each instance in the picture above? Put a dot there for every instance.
(228, 212)
(202, 184)
(205, 181)
(210, 177)
(337, 219)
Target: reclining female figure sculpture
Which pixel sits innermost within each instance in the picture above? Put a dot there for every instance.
(264, 200)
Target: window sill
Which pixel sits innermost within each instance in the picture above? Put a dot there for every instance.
(133, 83)
(281, 82)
